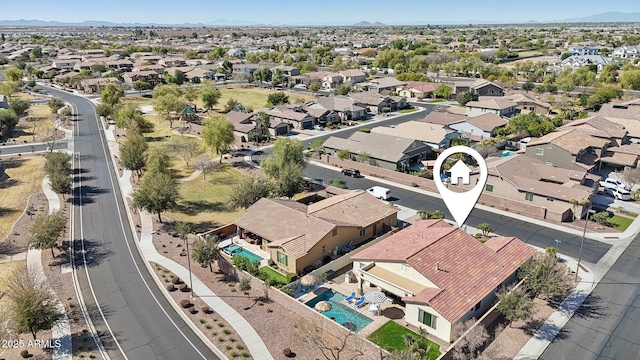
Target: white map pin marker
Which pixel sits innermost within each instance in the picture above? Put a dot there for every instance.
(460, 204)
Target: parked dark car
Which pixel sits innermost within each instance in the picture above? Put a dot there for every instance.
(351, 172)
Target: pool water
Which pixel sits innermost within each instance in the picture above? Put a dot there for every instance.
(341, 312)
(507, 153)
(236, 250)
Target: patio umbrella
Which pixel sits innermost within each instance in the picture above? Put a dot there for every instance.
(308, 280)
(375, 297)
(323, 306)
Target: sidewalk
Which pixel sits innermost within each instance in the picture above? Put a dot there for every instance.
(61, 330)
(249, 336)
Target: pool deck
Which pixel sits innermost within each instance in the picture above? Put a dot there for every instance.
(250, 247)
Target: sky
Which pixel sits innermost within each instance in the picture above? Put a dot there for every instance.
(299, 12)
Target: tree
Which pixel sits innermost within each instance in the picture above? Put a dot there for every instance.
(245, 285)
(178, 77)
(14, 74)
(422, 214)
(443, 91)
(630, 177)
(533, 124)
(58, 163)
(314, 86)
(167, 101)
(289, 180)
(190, 93)
(475, 335)
(630, 79)
(344, 154)
(60, 183)
(132, 153)
(601, 218)
(262, 125)
(131, 118)
(218, 134)
(33, 306)
(278, 77)
(364, 157)
(205, 164)
(19, 106)
(209, 94)
(467, 96)
(46, 230)
(8, 118)
(157, 193)
(55, 104)
(248, 191)
(157, 160)
(285, 151)
(544, 276)
(278, 98)
(343, 89)
(141, 85)
(485, 228)
(186, 148)
(98, 68)
(528, 86)
(111, 94)
(205, 252)
(515, 304)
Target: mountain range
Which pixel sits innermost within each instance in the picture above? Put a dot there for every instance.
(607, 17)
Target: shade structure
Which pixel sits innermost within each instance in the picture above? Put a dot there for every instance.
(308, 280)
(323, 306)
(375, 297)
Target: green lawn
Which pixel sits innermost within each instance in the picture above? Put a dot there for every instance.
(254, 97)
(389, 337)
(435, 101)
(273, 274)
(406, 111)
(620, 223)
(204, 203)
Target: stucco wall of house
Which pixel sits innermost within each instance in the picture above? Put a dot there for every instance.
(443, 329)
(473, 111)
(466, 128)
(553, 155)
(490, 90)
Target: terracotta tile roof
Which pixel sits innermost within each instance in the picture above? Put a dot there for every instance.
(338, 103)
(552, 190)
(297, 227)
(523, 99)
(480, 83)
(572, 140)
(495, 104)
(631, 125)
(417, 130)
(633, 149)
(378, 146)
(422, 86)
(352, 72)
(463, 269)
(236, 117)
(619, 158)
(443, 118)
(621, 111)
(608, 128)
(368, 98)
(487, 122)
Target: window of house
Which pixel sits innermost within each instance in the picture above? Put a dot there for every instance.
(528, 196)
(362, 230)
(539, 151)
(282, 258)
(324, 248)
(427, 319)
(489, 188)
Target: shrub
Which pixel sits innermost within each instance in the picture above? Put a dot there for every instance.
(176, 280)
(272, 263)
(184, 288)
(185, 303)
(234, 354)
(24, 353)
(229, 347)
(202, 321)
(207, 310)
(208, 327)
(364, 130)
(193, 310)
(226, 331)
(291, 277)
(245, 354)
(232, 339)
(287, 352)
(171, 287)
(239, 347)
(288, 291)
(221, 339)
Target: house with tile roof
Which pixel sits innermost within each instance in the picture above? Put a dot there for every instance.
(375, 102)
(386, 151)
(616, 132)
(626, 114)
(498, 106)
(574, 148)
(345, 107)
(481, 127)
(242, 124)
(292, 114)
(528, 104)
(435, 135)
(300, 237)
(623, 156)
(442, 274)
(531, 181)
(417, 89)
(352, 76)
(443, 118)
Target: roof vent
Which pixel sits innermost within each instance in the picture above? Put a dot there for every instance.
(437, 265)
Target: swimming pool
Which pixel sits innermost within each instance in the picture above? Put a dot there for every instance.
(342, 313)
(235, 250)
(507, 153)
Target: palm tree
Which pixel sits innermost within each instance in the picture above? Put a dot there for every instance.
(574, 206)
(422, 214)
(262, 124)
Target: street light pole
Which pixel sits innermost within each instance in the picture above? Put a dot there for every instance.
(584, 232)
(186, 239)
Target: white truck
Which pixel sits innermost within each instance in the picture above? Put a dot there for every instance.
(380, 192)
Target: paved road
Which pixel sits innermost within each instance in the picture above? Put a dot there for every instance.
(606, 326)
(136, 314)
(27, 149)
(533, 234)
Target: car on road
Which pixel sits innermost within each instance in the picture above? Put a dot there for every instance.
(611, 183)
(380, 192)
(351, 172)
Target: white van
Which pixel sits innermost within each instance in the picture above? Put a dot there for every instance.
(380, 192)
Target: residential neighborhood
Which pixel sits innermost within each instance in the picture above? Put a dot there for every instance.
(274, 189)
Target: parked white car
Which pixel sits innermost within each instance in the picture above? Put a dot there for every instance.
(618, 193)
(611, 183)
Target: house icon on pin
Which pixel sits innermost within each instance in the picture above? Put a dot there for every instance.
(460, 170)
